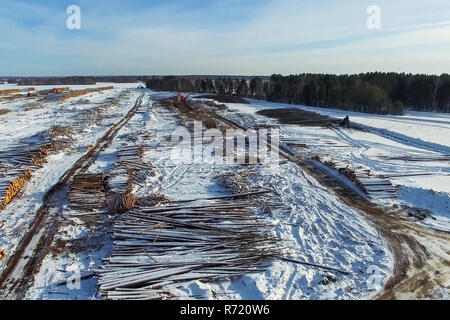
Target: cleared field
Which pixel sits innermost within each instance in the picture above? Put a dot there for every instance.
(109, 202)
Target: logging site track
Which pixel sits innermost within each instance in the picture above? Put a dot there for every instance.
(25, 262)
(421, 255)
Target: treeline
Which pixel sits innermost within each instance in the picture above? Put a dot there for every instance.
(56, 81)
(255, 88)
(382, 93)
(81, 80)
(117, 79)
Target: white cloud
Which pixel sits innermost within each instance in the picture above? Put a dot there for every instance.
(160, 41)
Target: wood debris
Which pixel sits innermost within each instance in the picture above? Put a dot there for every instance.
(87, 193)
(121, 203)
(60, 90)
(157, 247)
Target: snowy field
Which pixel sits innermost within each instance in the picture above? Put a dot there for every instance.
(22, 127)
(341, 238)
(412, 150)
(313, 225)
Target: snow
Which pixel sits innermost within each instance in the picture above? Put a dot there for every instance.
(314, 225)
(433, 128)
(22, 124)
(375, 146)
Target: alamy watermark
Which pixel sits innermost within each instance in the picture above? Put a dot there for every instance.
(73, 22)
(73, 282)
(374, 19)
(376, 279)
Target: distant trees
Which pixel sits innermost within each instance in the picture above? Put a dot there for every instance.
(382, 93)
(242, 89)
(56, 81)
(117, 79)
(257, 89)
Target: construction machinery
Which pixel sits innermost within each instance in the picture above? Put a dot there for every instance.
(182, 98)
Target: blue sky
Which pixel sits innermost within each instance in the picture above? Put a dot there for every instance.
(223, 37)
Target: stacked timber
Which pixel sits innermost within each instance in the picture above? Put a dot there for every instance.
(15, 166)
(60, 90)
(299, 117)
(76, 94)
(10, 91)
(129, 167)
(157, 248)
(121, 203)
(105, 88)
(87, 193)
(14, 188)
(378, 187)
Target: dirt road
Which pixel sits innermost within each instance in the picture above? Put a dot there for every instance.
(421, 254)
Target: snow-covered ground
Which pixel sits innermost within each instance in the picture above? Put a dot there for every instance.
(314, 226)
(23, 124)
(412, 150)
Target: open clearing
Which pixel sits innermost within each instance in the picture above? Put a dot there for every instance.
(349, 213)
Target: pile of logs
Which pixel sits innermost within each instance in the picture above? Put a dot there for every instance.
(60, 90)
(80, 93)
(9, 91)
(87, 193)
(27, 155)
(105, 88)
(299, 117)
(76, 94)
(156, 248)
(39, 159)
(376, 187)
(121, 203)
(118, 181)
(14, 188)
(129, 166)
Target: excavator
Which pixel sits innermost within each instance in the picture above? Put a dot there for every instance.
(182, 98)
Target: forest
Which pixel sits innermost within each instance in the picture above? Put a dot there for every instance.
(375, 92)
(42, 81)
